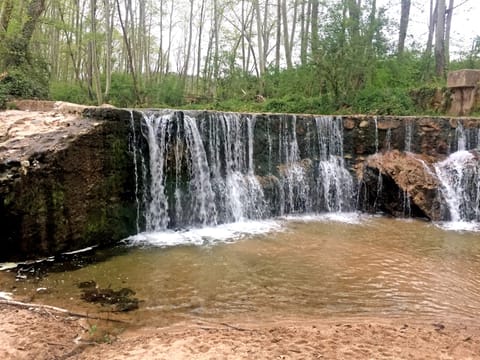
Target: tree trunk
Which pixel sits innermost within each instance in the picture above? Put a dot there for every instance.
(35, 10)
(199, 49)
(294, 25)
(129, 54)
(448, 27)
(94, 54)
(286, 39)
(404, 18)
(440, 40)
(108, 51)
(303, 35)
(189, 43)
(5, 16)
(315, 36)
(278, 36)
(261, 54)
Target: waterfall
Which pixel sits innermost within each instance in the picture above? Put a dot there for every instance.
(459, 176)
(176, 150)
(200, 169)
(408, 136)
(334, 182)
(293, 172)
(238, 193)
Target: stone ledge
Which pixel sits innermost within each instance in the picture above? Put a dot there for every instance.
(463, 78)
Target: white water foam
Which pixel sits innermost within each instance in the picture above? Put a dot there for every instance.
(342, 217)
(459, 226)
(224, 233)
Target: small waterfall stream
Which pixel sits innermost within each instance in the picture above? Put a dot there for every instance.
(459, 175)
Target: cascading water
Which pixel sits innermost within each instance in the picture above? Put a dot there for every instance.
(202, 169)
(293, 173)
(229, 144)
(459, 176)
(334, 182)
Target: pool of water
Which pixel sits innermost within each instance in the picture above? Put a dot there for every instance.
(315, 266)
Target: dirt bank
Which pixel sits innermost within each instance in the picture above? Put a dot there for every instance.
(29, 334)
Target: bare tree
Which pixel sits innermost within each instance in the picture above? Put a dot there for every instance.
(129, 53)
(404, 18)
(260, 42)
(94, 71)
(440, 39)
(286, 38)
(315, 43)
(448, 27)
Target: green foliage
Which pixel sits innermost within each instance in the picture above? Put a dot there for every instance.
(298, 104)
(235, 84)
(25, 75)
(386, 101)
(13, 52)
(19, 83)
(302, 80)
(348, 52)
(121, 90)
(395, 72)
(71, 92)
(3, 99)
(168, 91)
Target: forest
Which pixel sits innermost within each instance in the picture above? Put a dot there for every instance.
(300, 56)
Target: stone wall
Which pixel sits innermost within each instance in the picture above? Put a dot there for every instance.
(77, 193)
(464, 86)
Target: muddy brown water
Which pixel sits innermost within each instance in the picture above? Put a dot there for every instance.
(376, 267)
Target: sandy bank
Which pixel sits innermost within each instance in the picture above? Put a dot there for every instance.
(28, 334)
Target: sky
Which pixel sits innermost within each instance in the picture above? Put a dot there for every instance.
(465, 22)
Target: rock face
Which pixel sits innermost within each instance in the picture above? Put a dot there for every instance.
(465, 88)
(65, 182)
(401, 184)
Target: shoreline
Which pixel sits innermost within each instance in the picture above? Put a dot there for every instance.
(39, 334)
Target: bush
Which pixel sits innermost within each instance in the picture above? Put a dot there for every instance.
(3, 99)
(169, 91)
(19, 84)
(121, 90)
(70, 92)
(298, 104)
(387, 101)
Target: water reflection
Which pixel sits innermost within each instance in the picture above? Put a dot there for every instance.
(377, 267)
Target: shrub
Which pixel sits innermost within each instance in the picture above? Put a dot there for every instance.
(20, 84)
(70, 92)
(169, 91)
(298, 104)
(386, 101)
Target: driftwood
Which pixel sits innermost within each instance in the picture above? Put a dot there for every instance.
(47, 308)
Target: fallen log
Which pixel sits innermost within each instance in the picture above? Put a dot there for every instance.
(56, 309)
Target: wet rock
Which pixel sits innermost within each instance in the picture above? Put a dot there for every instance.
(348, 123)
(87, 284)
(65, 182)
(397, 182)
(121, 300)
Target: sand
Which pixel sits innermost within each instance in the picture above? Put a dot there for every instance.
(39, 334)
